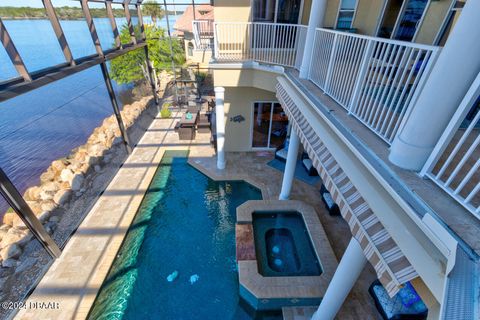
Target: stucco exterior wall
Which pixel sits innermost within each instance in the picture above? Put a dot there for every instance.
(232, 10)
(433, 21)
(307, 5)
(239, 101)
(331, 13)
(367, 16)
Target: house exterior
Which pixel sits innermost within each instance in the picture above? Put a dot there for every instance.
(383, 97)
(196, 51)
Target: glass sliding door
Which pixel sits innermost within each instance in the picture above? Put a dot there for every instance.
(288, 11)
(262, 112)
(278, 127)
(263, 10)
(410, 20)
(269, 125)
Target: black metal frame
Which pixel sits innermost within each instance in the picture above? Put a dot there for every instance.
(27, 82)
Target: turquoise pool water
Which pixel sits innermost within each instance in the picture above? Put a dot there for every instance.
(186, 223)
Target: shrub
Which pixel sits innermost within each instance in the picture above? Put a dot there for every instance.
(165, 112)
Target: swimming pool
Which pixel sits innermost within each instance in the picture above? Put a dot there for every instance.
(186, 223)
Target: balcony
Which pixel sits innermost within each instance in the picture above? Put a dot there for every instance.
(374, 80)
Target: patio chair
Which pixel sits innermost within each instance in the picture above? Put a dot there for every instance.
(405, 305)
(282, 151)
(203, 124)
(308, 165)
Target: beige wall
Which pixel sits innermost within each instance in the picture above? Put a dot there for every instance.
(245, 78)
(432, 23)
(331, 13)
(232, 10)
(242, 88)
(307, 6)
(239, 101)
(367, 15)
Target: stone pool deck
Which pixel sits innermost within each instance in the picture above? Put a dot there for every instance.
(75, 278)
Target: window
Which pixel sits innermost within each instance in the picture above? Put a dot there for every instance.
(450, 21)
(278, 11)
(401, 19)
(190, 49)
(410, 20)
(270, 125)
(346, 12)
(389, 17)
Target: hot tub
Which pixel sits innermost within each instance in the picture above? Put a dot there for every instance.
(282, 245)
(283, 255)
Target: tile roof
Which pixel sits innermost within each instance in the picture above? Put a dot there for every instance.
(184, 23)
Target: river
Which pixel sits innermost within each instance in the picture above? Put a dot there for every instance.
(44, 125)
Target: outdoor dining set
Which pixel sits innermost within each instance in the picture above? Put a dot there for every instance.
(194, 120)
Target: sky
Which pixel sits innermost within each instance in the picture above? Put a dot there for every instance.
(76, 3)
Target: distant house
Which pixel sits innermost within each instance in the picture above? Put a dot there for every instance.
(197, 48)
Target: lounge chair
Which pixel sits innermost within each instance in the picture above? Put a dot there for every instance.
(327, 199)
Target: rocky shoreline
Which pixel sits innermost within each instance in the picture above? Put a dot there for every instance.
(66, 192)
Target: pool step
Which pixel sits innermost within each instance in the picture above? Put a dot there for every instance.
(298, 313)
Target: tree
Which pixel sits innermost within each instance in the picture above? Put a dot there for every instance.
(131, 67)
(153, 9)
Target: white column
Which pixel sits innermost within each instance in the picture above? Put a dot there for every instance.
(289, 172)
(316, 20)
(455, 70)
(348, 270)
(220, 124)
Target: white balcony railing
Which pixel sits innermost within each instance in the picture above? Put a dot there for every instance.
(279, 44)
(375, 79)
(455, 162)
(203, 34)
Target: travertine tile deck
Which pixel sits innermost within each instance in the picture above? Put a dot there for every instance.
(75, 278)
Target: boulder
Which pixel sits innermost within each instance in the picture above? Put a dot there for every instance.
(35, 206)
(8, 218)
(18, 223)
(46, 195)
(11, 251)
(77, 182)
(67, 175)
(47, 176)
(26, 239)
(32, 193)
(12, 236)
(50, 187)
(9, 263)
(96, 150)
(4, 229)
(58, 165)
(48, 206)
(62, 196)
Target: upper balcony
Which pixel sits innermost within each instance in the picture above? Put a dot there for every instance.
(375, 80)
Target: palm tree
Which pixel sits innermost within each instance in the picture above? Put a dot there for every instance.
(153, 9)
